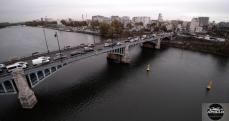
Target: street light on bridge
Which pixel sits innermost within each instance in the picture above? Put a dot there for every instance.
(46, 40)
(56, 35)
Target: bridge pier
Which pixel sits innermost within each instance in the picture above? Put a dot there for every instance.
(158, 45)
(120, 57)
(26, 96)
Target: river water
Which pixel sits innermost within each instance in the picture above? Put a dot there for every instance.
(95, 90)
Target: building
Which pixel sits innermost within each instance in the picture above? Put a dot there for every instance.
(107, 20)
(125, 20)
(199, 29)
(194, 24)
(169, 27)
(144, 19)
(203, 21)
(48, 19)
(160, 19)
(98, 18)
(223, 25)
(117, 18)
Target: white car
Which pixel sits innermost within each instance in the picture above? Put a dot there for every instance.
(132, 40)
(21, 65)
(40, 60)
(24, 64)
(119, 43)
(107, 44)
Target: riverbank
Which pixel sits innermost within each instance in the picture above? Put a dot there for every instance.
(194, 44)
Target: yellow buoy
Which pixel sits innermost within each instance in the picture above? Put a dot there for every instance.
(148, 68)
(209, 86)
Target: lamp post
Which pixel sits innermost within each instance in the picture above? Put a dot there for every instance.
(94, 38)
(46, 40)
(56, 35)
(112, 36)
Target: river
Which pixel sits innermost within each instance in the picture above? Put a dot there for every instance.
(95, 90)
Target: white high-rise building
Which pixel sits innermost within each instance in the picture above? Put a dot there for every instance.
(160, 19)
(194, 24)
(203, 21)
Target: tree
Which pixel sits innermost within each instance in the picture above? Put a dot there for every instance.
(94, 24)
(63, 22)
(104, 29)
(117, 27)
(129, 26)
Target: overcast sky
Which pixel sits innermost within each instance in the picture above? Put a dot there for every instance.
(22, 10)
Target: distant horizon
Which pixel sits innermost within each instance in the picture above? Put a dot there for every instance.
(79, 19)
(26, 10)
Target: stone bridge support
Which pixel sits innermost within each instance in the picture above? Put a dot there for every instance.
(158, 45)
(171, 37)
(120, 57)
(25, 94)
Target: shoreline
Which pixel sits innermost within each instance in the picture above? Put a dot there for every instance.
(188, 43)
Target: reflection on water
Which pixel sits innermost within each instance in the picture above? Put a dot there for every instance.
(23, 41)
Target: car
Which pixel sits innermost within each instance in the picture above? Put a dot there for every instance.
(2, 67)
(126, 41)
(88, 49)
(91, 45)
(132, 40)
(107, 44)
(44, 57)
(119, 43)
(59, 56)
(136, 39)
(75, 53)
(83, 45)
(24, 64)
(40, 60)
(17, 65)
(67, 47)
(129, 38)
(109, 40)
(143, 36)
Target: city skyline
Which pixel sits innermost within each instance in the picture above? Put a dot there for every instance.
(25, 10)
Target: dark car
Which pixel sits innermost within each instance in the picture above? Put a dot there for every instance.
(126, 41)
(91, 45)
(74, 53)
(83, 45)
(59, 56)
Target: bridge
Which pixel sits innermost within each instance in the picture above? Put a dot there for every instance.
(22, 82)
